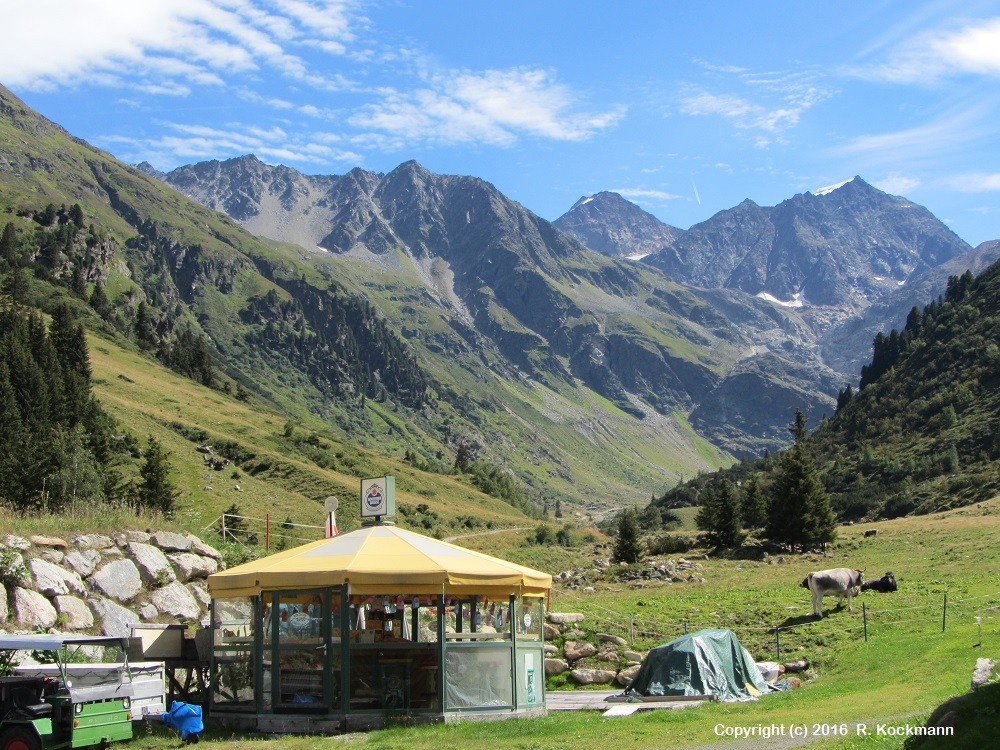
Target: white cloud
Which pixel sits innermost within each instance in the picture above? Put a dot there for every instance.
(897, 183)
(953, 132)
(195, 142)
(197, 41)
(773, 105)
(494, 106)
(977, 182)
(970, 48)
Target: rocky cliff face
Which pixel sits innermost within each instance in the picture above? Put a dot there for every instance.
(845, 247)
(104, 585)
(609, 224)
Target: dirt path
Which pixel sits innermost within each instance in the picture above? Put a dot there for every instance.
(483, 533)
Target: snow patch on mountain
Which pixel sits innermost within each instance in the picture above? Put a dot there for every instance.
(830, 188)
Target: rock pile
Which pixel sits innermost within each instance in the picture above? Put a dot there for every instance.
(666, 571)
(101, 584)
(599, 660)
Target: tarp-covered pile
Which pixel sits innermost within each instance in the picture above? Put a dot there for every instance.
(708, 662)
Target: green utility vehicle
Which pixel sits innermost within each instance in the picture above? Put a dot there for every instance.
(50, 713)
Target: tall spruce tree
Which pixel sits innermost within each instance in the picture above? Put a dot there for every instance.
(156, 489)
(753, 505)
(799, 513)
(628, 545)
(720, 515)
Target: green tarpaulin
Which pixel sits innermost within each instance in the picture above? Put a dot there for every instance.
(708, 662)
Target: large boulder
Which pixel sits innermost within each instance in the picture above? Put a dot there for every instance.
(565, 618)
(154, 567)
(555, 666)
(118, 580)
(200, 548)
(615, 639)
(54, 580)
(176, 601)
(94, 541)
(3, 603)
(48, 541)
(114, 619)
(171, 541)
(32, 610)
(626, 676)
(576, 650)
(189, 566)
(83, 561)
(74, 613)
(592, 676)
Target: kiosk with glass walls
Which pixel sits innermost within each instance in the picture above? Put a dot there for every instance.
(350, 630)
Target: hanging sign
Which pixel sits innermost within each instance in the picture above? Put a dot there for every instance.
(378, 497)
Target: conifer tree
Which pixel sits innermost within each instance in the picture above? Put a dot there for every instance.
(156, 489)
(799, 513)
(720, 515)
(628, 545)
(753, 506)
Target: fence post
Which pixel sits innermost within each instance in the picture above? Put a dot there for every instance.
(777, 642)
(864, 616)
(631, 630)
(685, 627)
(267, 533)
(223, 527)
(944, 612)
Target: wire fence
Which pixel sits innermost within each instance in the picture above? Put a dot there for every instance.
(248, 531)
(791, 633)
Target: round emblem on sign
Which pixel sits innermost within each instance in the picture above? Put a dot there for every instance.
(375, 497)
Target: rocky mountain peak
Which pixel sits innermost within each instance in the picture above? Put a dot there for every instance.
(612, 225)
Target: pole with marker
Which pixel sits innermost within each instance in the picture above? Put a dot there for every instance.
(331, 505)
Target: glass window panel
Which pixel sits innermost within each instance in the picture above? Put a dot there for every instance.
(478, 676)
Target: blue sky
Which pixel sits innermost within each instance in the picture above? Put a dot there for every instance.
(684, 108)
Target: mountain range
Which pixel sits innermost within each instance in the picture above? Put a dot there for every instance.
(420, 313)
(783, 293)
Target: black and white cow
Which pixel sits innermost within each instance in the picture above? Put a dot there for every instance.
(842, 582)
(883, 585)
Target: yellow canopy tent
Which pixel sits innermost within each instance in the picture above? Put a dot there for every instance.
(382, 560)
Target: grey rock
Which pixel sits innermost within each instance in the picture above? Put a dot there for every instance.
(625, 677)
(189, 566)
(608, 638)
(200, 593)
(3, 603)
(551, 632)
(564, 618)
(982, 673)
(32, 610)
(576, 650)
(632, 656)
(118, 580)
(53, 556)
(148, 612)
(74, 613)
(550, 649)
(592, 676)
(125, 537)
(176, 601)
(83, 561)
(53, 580)
(154, 567)
(113, 619)
(555, 666)
(171, 541)
(13, 541)
(200, 548)
(93, 541)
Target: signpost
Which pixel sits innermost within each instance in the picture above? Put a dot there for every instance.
(331, 504)
(378, 497)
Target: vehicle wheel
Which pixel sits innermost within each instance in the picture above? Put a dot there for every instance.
(20, 738)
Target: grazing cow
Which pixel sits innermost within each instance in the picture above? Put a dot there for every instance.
(883, 585)
(871, 532)
(842, 582)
